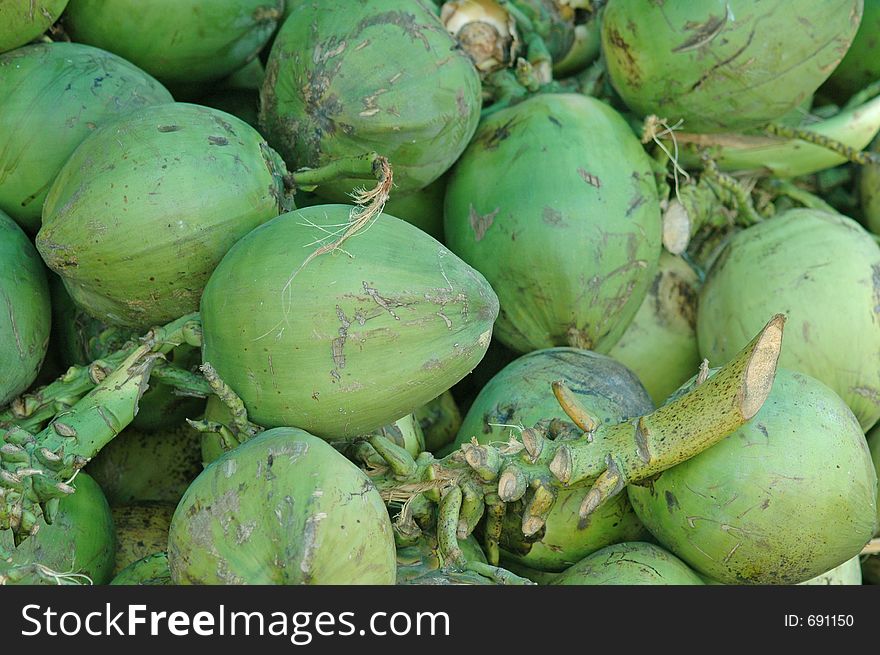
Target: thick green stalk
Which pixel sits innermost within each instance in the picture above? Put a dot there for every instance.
(607, 458)
(35, 470)
(361, 167)
(641, 448)
(33, 410)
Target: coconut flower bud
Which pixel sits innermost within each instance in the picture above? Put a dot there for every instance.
(485, 30)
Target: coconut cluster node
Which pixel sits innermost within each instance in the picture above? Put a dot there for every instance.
(439, 292)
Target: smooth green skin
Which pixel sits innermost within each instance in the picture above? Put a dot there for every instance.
(25, 314)
(24, 20)
(282, 508)
(861, 64)
(57, 94)
(151, 570)
(786, 497)
(146, 207)
(723, 65)
(823, 271)
(353, 340)
(869, 192)
(141, 530)
(178, 41)
(81, 540)
(139, 467)
(440, 420)
(569, 242)
(520, 395)
(660, 344)
(330, 91)
(633, 563)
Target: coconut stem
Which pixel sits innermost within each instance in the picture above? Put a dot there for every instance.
(359, 167)
(845, 151)
(638, 449)
(241, 428)
(492, 532)
(37, 471)
(33, 410)
(730, 184)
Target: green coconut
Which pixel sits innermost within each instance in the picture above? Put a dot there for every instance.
(282, 508)
(569, 243)
(521, 395)
(660, 344)
(24, 20)
(788, 496)
(80, 542)
(347, 341)
(147, 206)
(344, 79)
(150, 570)
(861, 64)
(633, 563)
(138, 466)
(723, 65)
(440, 420)
(181, 42)
(58, 94)
(141, 530)
(823, 271)
(25, 313)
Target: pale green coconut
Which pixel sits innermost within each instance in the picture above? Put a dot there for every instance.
(788, 496)
(823, 271)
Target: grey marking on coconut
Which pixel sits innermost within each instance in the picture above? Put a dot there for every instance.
(481, 223)
(11, 312)
(309, 540)
(384, 303)
(704, 33)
